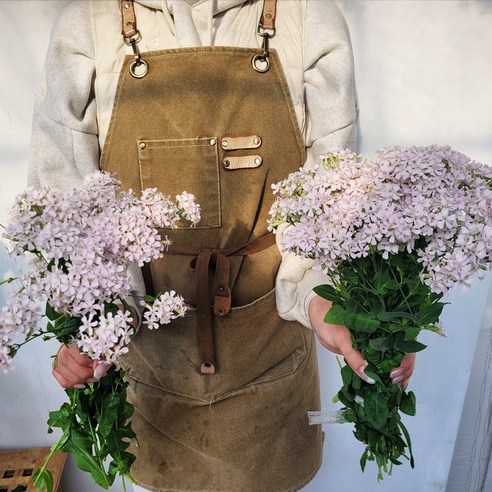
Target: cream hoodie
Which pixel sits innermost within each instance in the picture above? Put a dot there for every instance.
(74, 102)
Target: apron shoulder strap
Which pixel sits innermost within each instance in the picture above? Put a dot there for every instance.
(267, 20)
(128, 18)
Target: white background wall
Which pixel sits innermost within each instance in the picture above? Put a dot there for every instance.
(423, 75)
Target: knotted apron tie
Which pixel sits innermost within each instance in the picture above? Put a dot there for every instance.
(204, 258)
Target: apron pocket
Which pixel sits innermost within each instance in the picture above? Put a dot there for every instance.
(190, 164)
(253, 346)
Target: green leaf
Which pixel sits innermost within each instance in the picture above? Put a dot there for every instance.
(381, 344)
(346, 373)
(43, 480)
(336, 315)
(435, 329)
(363, 460)
(388, 364)
(376, 408)
(345, 399)
(60, 418)
(392, 315)
(327, 292)
(65, 327)
(384, 283)
(430, 314)
(407, 346)
(372, 375)
(366, 324)
(108, 413)
(412, 332)
(408, 403)
(409, 442)
(81, 447)
(374, 304)
(50, 312)
(395, 327)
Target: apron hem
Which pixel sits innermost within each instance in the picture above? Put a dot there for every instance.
(295, 489)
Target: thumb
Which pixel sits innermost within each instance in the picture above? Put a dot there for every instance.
(101, 367)
(357, 363)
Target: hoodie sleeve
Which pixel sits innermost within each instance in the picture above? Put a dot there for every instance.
(331, 114)
(329, 81)
(64, 145)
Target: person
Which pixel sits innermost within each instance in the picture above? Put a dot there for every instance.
(220, 98)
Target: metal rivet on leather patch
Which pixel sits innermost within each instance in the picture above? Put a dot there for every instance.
(225, 143)
(127, 5)
(221, 311)
(142, 145)
(226, 163)
(258, 161)
(213, 141)
(256, 141)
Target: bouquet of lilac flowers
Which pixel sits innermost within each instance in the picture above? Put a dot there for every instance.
(81, 246)
(393, 236)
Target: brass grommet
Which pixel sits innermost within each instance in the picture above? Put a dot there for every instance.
(226, 163)
(213, 141)
(257, 141)
(142, 145)
(139, 68)
(260, 63)
(258, 161)
(225, 143)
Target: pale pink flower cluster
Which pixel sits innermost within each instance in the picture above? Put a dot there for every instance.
(188, 208)
(105, 337)
(82, 244)
(19, 318)
(430, 199)
(163, 310)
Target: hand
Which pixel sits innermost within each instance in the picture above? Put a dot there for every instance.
(74, 370)
(337, 339)
(404, 371)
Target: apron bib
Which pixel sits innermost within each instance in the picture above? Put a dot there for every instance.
(203, 120)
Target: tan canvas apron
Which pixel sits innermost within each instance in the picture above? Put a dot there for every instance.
(204, 121)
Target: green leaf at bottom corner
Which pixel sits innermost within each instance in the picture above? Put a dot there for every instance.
(43, 480)
(363, 460)
(80, 446)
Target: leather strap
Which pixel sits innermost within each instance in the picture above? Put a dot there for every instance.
(242, 162)
(236, 143)
(267, 20)
(128, 18)
(204, 258)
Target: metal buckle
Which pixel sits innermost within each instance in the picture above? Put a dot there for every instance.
(261, 63)
(139, 67)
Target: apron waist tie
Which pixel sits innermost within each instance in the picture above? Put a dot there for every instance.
(218, 259)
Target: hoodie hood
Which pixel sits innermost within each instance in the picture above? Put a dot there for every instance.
(194, 19)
